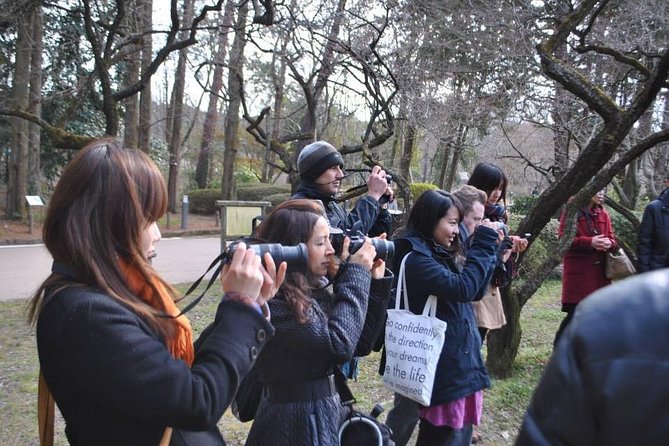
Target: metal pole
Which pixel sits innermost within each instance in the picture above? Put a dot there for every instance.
(184, 213)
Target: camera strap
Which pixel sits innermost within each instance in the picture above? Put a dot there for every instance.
(217, 266)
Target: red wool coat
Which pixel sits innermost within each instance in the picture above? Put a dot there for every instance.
(583, 271)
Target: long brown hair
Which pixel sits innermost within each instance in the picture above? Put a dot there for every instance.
(290, 223)
(103, 201)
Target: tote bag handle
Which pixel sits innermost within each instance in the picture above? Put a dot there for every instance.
(430, 308)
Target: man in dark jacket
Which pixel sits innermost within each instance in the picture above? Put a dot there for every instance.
(606, 383)
(320, 166)
(653, 246)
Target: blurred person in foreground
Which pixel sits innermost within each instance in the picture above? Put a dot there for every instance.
(606, 383)
(114, 350)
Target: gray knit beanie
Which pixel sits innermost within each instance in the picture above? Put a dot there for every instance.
(316, 158)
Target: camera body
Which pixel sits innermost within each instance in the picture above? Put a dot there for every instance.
(385, 249)
(296, 257)
(500, 226)
(386, 198)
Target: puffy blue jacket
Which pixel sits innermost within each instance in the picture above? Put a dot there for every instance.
(431, 270)
(606, 383)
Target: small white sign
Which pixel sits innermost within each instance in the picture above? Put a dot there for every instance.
(34, 200)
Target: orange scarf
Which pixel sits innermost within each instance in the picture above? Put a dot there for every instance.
(180, 345)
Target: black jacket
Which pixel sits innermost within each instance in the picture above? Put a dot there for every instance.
(116, 383)
(373, 220)
(606, 383)
(653, 246)
(340, 324)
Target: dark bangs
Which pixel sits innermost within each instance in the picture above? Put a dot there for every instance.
(430, 207)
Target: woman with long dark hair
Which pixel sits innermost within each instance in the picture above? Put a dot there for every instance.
(318, 328)
(113, 349)
(489, 310)
(430, 240)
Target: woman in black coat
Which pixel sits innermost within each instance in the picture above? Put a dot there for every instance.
(113, 349)
(318, 328)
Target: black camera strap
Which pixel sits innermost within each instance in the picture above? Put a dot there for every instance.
(217, 266)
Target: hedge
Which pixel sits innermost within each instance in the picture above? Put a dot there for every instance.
(417, 189)
(260, 191)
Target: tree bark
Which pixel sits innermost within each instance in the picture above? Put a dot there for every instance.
(211, 118)
(17, 186)
(145, 96)
(35, 101)
(177, 112)
(235, 81)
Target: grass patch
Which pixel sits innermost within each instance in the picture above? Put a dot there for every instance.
(504, 403)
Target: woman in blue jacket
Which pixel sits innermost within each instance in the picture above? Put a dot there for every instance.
(432, 268)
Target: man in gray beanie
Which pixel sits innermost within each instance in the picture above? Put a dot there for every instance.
(320, 166)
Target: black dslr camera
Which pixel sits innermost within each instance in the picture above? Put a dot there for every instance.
(385, 249)
(386, 198)
(296, 257)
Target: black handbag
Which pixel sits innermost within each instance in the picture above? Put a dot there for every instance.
(246, 402)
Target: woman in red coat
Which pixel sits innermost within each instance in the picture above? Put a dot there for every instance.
(584, 261)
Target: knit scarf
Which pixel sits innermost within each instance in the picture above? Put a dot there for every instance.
(180, 345)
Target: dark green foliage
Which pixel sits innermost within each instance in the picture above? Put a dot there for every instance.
(276, 199)
(543, 246)
(260, 191)
(202, 201)
(523, 204)
(417, 189)
(625, 232)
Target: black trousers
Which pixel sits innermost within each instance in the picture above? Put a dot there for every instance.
(569, 309)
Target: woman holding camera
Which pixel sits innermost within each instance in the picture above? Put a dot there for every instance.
(489, 311)
(317, 328)
(113, 349)
(430, 240)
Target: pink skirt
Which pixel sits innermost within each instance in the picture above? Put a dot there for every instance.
(456, 413)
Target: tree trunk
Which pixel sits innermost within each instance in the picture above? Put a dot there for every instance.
(407, 151)
(177, 111)
(444, 149)
(145, 100)
(35, 101)
(17, 186)
(211, 118)
(235, 80)
(132, 66)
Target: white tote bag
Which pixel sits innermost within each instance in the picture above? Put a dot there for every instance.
(413, 344)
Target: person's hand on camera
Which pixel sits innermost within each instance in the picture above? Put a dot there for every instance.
(519, 244)
(242, 278)
(273, 279)
(365, 255)
(377, 185)
(379, 265)
(494, 225)
(334, 261)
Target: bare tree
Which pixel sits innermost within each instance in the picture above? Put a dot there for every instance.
(235, 81)
(211, 118)
(603, 156)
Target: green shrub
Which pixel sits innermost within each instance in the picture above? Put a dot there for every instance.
(417, 189)
(624, 230)
(523, 204)
(260, 191)
(203, 201)
(276, 199)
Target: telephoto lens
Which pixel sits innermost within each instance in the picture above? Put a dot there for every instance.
(296, 257)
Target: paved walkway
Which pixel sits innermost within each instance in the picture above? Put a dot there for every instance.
(180, 260)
